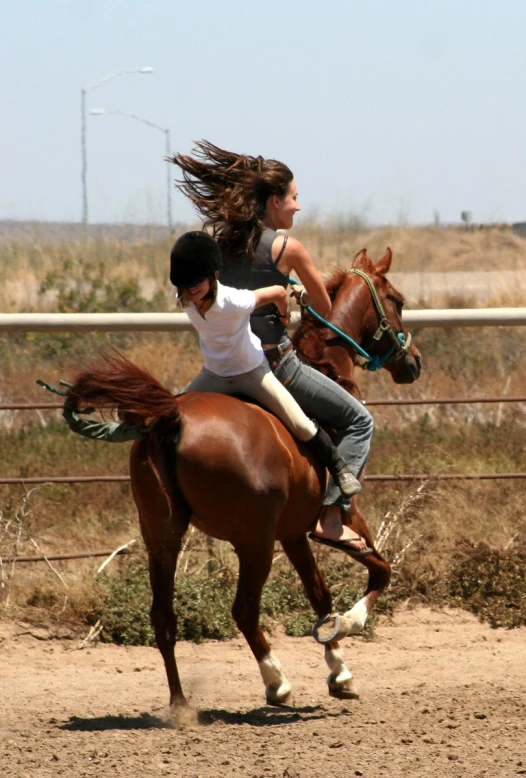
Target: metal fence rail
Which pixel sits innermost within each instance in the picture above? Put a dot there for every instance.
(83, 479)
(65, 557)
(177, 322)
(32, 480)
(66, 479)
(418, 401)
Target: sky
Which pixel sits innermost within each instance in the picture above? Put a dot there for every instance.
(390, 111)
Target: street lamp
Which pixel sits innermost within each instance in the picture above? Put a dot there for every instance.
(84, 171)
(101, 111)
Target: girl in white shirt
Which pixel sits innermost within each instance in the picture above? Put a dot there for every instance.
(234, 361)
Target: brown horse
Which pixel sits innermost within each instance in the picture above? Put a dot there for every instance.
(234, 471)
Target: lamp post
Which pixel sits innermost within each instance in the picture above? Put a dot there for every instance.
(101, 111)
(84, 169)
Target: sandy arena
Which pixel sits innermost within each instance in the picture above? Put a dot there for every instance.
(441, 695)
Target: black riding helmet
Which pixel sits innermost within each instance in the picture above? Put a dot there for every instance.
(195, 256)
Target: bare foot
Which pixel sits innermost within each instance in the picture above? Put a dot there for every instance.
(330, 526)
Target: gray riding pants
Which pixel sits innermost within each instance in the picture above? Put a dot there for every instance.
(321, 398)
(261, 385)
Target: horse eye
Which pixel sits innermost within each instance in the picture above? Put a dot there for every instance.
(398, 303)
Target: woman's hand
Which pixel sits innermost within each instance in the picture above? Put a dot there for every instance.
(300, 294)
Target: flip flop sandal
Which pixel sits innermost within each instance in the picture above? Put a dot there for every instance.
(341, 545)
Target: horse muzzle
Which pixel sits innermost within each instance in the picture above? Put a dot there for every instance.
(407, 369)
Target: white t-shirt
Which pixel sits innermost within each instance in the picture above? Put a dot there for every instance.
(228, 344)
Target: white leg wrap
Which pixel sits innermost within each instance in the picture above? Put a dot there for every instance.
(357, 616)
(276, 684)
(336, 664)
(270, 669)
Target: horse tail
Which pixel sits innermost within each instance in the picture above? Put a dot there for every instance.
(116, 384)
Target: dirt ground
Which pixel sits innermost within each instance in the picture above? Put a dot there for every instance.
(441, 695)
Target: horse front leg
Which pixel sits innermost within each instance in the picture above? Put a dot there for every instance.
(340, 680)
(378, 568)
(352, 622)
(254, 566)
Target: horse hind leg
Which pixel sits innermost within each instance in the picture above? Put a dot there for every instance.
(340, 681)
(163, 534)
(164, 517)
(164, 621)
(255, 562)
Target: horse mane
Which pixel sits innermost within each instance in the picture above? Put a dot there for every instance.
(116, 384)
(308, 340)
(333, 279)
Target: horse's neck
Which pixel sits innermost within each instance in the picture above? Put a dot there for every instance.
(325, 350)
(350, 309)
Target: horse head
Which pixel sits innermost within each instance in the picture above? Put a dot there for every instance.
(383, 334)
(364, 327)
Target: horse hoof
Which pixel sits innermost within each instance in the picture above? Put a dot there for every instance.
(181, 715)
(279, 696)
(344, 691)
(329, 628)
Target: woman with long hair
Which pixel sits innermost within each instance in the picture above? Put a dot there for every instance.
(244, 201)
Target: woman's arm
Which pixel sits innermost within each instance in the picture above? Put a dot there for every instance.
(297, 258)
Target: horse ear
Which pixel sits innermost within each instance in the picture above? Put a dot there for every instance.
(383, 264)
(362, 261)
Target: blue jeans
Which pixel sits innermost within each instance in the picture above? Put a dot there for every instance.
(321, 398)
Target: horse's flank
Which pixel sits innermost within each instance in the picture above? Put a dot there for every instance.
(234, 476)
(225, 472)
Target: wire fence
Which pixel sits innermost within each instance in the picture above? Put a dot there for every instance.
(418, 401)
(378, 477)
(407, 477)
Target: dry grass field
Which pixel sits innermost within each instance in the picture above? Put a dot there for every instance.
(421, 529)
(28, 255)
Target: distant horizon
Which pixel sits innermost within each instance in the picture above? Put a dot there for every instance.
(328, 221)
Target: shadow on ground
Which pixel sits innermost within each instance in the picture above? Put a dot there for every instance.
(260, 717)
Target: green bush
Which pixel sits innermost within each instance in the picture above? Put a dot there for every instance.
(203, 603)
(81, 285)
(490, 584)
(126, 602)
(486, 582)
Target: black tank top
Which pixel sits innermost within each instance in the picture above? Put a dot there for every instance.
(242, 272)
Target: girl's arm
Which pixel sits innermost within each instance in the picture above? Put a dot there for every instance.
(273, 294)
(297, 258)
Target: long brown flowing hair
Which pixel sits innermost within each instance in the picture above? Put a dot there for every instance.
(230, 191)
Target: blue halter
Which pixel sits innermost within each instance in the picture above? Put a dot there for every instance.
(367, 361)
